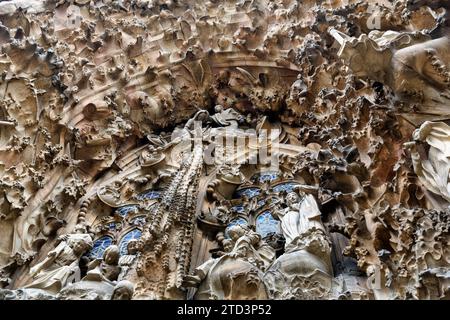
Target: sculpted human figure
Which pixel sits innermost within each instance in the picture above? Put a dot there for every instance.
(299, 90)
(226, 117)
(249, 246)
(299, 217)
(238, 273)
(61, 264)
(430, 150)
(123, 290)
(100, 280)
(126, 261)
(416, 65)
(202, 271)
(201, 116)
(306, 262)
(192, 129)
(107, 269)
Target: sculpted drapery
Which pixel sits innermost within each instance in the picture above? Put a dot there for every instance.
(430, 152)
(302, 215)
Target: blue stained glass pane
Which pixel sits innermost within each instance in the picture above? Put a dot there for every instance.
(265, 176)
(125, 210)
(100, 246)
(288, 187)
(133, 234)
(149, 195)
(249, 192)
(261, 203)
(266, 223)
(138, 221)
(112, 226)
(238, 209)
(237, 221)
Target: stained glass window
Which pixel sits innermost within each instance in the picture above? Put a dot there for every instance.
(100, 246)
(238, 209)
(125, 210)
(266, 223)
(261, 203)
(133, 234)
(287, 187)
(265, 176)
(112, 226)
(249, 192)
(237, 221)
(149, 195)
(138, 221)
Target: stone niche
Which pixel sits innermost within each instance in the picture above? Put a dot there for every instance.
(224, 149)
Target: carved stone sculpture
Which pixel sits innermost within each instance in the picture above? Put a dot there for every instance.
(414, 65)
(226, 118)
(306, 262)
(429, 153)
(127, 261)
(238, 273)
(123, 291)
(60, 267)
(300, 219)
(99, 282)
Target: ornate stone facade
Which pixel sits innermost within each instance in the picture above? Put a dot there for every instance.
(246, 149)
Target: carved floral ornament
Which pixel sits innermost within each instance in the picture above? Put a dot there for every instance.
(224, 150)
